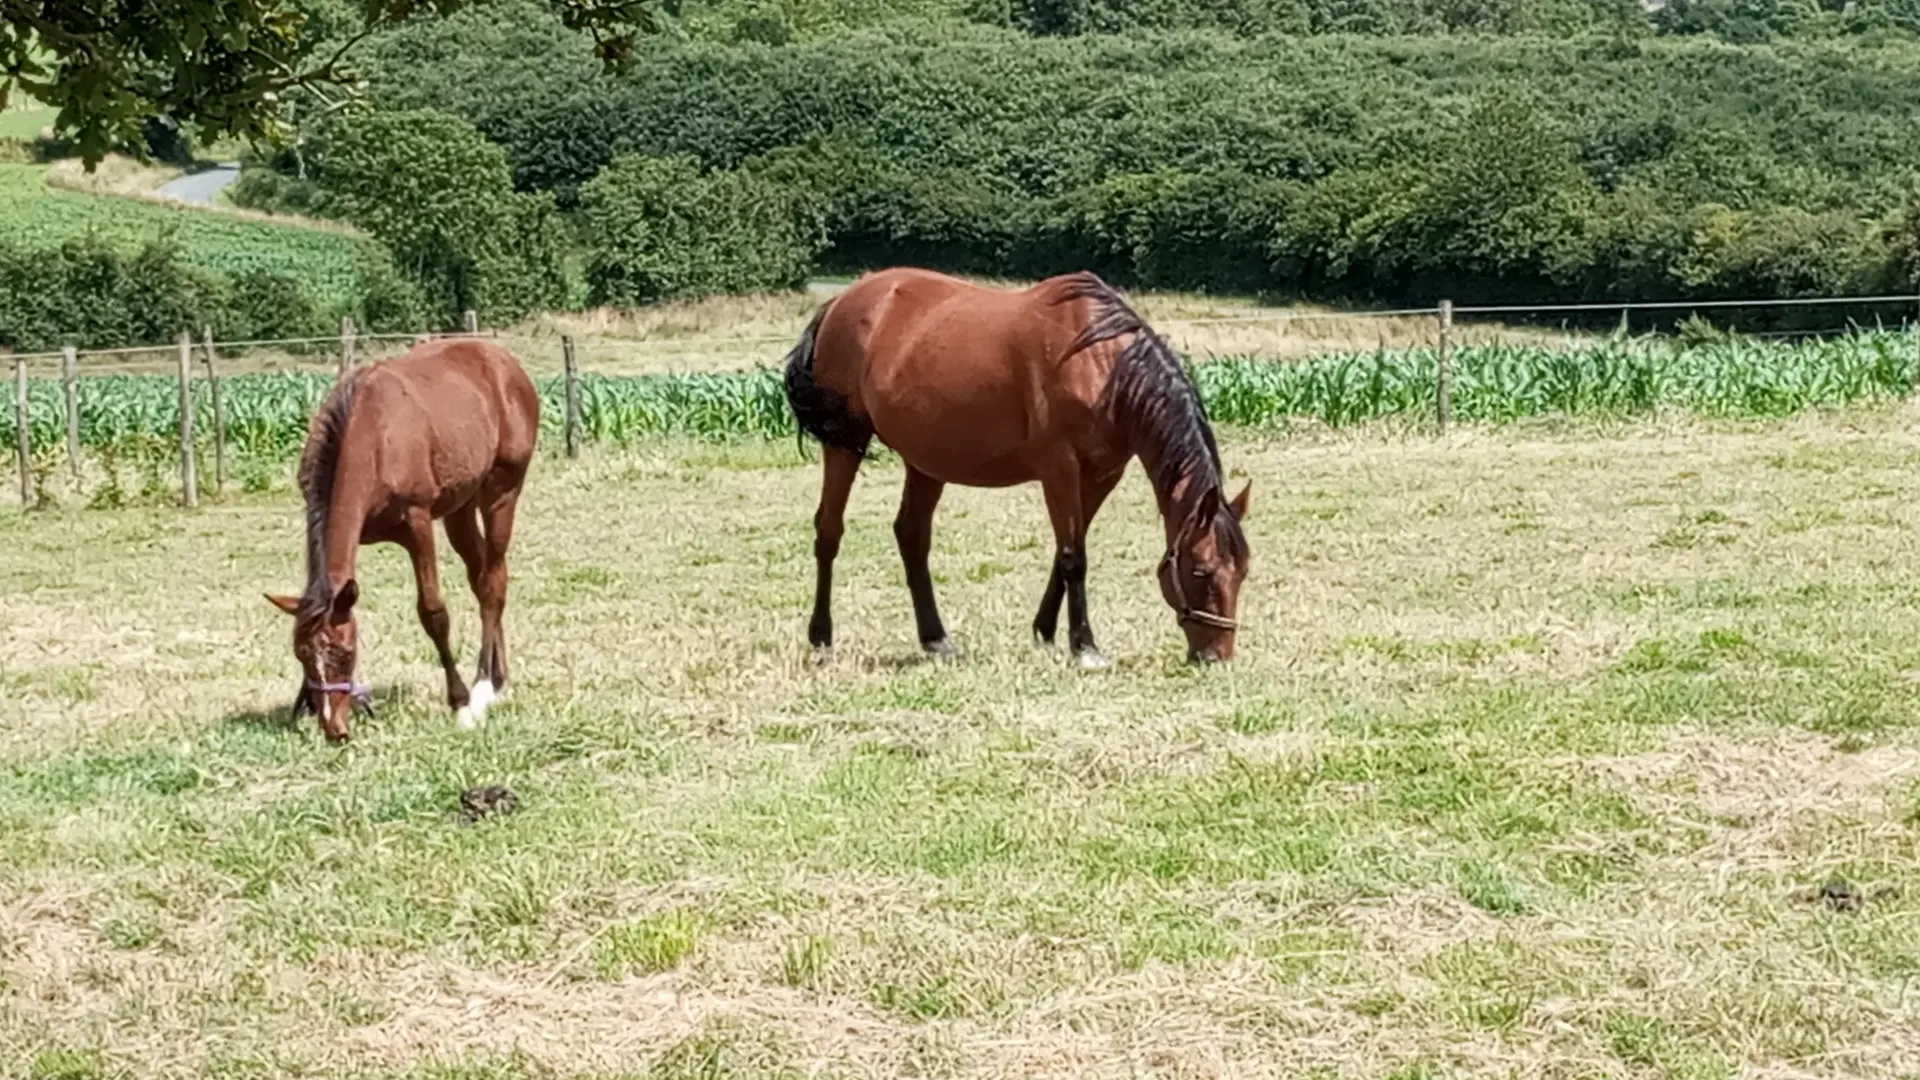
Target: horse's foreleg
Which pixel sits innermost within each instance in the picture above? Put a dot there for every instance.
(1093, 493)
(1047, 622)
(913, 530)
(829, 524)
(1072, 500)
(418, 540)
(1062, 489)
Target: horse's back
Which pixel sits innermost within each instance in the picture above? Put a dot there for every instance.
(449, 416)
(957, 377)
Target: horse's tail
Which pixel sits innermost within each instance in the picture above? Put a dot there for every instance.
(818, 411)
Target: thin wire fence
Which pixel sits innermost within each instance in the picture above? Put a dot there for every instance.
(206, 368)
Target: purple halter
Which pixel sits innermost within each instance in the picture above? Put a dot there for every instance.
(361, 692)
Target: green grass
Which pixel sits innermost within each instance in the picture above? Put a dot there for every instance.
(32, 213)
(24, 120)
(1472, 801)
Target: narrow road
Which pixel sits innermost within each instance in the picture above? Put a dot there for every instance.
(202, 188)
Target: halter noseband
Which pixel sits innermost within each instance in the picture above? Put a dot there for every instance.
(1194, 615)
(1208, 618)
(361, 692)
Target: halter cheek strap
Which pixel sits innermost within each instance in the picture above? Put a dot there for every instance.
(1194, 615)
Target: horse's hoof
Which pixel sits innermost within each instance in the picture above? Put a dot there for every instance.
(822, 655)
(481, 698)
(944, 649)
(1041, 641)
(1092, 660)
(464, 718)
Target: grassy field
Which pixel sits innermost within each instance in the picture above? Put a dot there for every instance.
(35, 212)
(1541, 741)
(24, 120)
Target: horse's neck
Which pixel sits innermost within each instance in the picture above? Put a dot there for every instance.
(343, 520)
(344, 524)
(1176, 492)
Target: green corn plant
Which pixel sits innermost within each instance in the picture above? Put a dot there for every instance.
(137, 416)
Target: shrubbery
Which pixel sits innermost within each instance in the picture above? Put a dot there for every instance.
(440, 196)
(1744, 21)
(657, 228)
(1345, 167)
(89, 293)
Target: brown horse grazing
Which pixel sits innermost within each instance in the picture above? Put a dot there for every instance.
(443, 432)
(1061, 383)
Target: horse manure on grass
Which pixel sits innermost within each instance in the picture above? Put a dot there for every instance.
(483, 802)
(1839, 895)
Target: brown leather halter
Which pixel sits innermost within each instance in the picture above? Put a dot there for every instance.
(1188, 614)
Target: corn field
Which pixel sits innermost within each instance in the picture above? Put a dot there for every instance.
(267, 414)
(1622, 376)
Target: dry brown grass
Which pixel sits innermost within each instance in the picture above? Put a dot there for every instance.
(736, 332)
(1538, 739)
(116, 174)
(124, 177)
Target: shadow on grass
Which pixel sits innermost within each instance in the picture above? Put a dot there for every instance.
(280, 719)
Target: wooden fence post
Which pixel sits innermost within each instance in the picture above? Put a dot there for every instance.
(1443, 373)
(25, 435)
(219, 416)
(346, 345)
(189, 466)
(470, 321)
(70, 384)
(573, 398)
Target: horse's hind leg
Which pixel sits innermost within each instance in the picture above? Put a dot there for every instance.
(913, 529)
(463, 532)
(829, 524)
(497, 515)
(418, 540)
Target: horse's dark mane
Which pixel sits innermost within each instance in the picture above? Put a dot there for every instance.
(1152, 397)
(318, 464)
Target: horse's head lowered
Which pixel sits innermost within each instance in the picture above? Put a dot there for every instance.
(326, 641)
(1202, 573)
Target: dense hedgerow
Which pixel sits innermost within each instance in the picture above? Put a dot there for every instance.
(96, 294)
(658, 229)
(1525, 168)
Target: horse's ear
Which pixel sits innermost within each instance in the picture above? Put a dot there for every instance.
(344, 598)
(288, 604)
(1238, 507)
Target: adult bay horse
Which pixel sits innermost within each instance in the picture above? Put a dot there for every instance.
(1061, 383)
(444, 432)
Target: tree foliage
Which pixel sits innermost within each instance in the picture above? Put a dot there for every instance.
(440, 196)
(224, 66)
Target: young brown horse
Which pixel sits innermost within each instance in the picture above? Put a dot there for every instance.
(444, 432)
(1061, 383)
